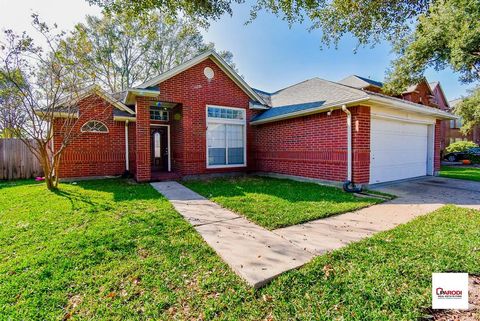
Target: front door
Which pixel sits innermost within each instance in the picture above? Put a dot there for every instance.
(159, 149)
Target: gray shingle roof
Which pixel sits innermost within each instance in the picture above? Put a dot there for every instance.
(360, 82)
(289, 109)
(314, 90)
(121, 113)
(312, 93)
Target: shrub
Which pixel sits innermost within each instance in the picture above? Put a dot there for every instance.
(460, 146)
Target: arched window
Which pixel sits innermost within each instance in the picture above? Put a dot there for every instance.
(94, 126)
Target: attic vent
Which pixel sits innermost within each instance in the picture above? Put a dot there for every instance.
(208, 72)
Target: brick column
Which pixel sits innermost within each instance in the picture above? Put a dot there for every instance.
(142, 150)
(361, 144)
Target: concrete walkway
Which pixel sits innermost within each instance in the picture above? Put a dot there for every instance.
(258, 255)
(253, 252)
(414, 198)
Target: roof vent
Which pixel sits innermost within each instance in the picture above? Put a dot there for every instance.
(208, 72)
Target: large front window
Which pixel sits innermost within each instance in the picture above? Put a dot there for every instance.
(225, 136)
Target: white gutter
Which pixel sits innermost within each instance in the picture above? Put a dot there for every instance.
(406, 106)
(127, 166)
(349, 142)
(124, 118)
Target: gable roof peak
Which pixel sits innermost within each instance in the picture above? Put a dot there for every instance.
(218, 60)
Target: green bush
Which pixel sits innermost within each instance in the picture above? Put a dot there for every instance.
(460, 146)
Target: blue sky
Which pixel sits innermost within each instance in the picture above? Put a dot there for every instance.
(270, 55)
(267, 52)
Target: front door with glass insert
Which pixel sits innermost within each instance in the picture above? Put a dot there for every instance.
(159, 149)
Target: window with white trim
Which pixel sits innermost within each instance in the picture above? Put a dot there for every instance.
(94, 126)
(226, 132)
(158, 113)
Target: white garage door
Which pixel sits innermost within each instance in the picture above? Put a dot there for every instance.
(398, 150)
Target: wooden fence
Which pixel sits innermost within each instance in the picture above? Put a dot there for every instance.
(16, 160)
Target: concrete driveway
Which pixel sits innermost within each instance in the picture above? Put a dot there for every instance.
(414, 198)
(434, 190)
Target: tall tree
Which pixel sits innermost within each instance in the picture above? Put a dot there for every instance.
(121, 50)
(10, 99)
(469, 110)
(200, 10)
(424, 33)
(45, 82)
(448, 35)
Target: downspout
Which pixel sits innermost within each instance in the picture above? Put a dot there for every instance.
(127, 160)
(349, 185)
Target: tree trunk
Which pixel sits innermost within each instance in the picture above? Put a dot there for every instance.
(48, 169)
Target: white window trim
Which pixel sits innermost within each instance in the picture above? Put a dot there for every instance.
(94, 132)
(163, 111)
(226, 121)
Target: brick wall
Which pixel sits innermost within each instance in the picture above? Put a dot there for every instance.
(361, 143)
(193, 92)
(92, 154)
(315, 146)
(143, 167)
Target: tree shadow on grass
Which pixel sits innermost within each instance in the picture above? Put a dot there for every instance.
(120, 189)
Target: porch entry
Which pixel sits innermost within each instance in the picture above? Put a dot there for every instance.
(159, 150)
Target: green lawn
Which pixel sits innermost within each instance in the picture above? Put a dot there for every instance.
(110, 250)
(468, 173)
(274, 203)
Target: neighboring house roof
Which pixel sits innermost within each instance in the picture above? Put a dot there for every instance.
(454, 102)
(219, 61)
(414, 87)
(433, 84)
(436, 86)
(360, 82)
(318, 95)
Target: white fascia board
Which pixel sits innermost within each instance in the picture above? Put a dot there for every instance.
(421, 109)
(144, 92)
(124, 118)
(134, 92)
(112, 101)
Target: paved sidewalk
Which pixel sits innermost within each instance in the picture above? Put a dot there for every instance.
(256, 254)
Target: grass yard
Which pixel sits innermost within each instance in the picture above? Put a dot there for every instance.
(111, 250)
(274, 203)
(468, 173)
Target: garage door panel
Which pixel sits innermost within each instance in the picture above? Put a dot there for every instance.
(398, 150)
(386, 160)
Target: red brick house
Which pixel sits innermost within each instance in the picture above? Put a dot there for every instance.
(202, 118)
